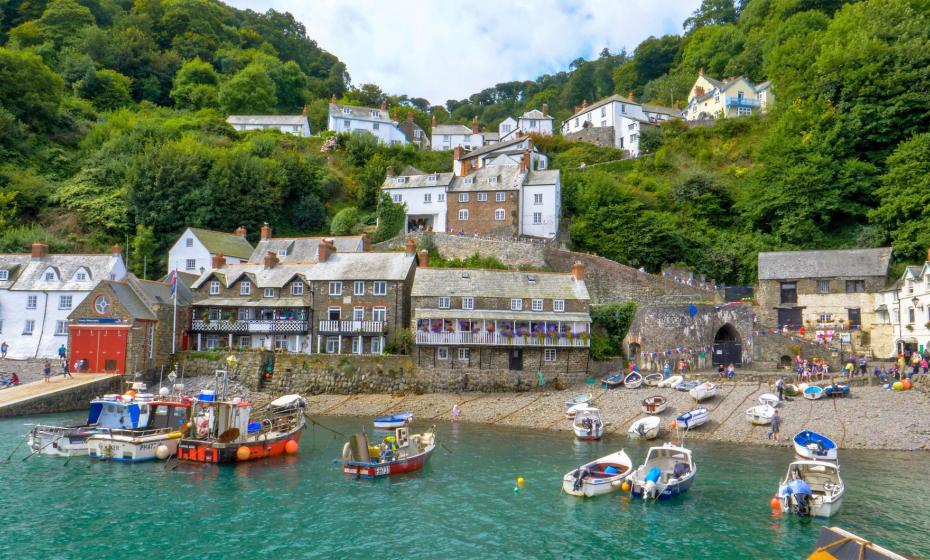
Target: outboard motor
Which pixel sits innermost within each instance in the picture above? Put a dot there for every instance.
(802, 504)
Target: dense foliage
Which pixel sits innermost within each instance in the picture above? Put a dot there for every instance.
(609, 324)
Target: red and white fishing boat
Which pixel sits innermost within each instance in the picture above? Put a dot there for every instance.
(397, 454)
(225, 432)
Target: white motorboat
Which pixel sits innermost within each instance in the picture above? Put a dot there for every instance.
(645, 428)
(812, 488)
(667, 472)
(672, 381)
(156, 440)
(692, 419)
(587, 424)
(770, 399)
(760, 415)
(654, 404)
(598, 477)
(703, 391)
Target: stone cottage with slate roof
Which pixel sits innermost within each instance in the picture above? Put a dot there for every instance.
(194, 250)
(413, 133)
(467, 319)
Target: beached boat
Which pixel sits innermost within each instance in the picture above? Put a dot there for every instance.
(792, 390)
(394, 420)
(838, 544)
(653, 379)
(129, 411)
(397, 454)
(654, 404)
(836, 390)
(692, 418)
(598, 477)
(760, 415)
(580, 399)
(814, 446)
(703, 391)
(226, 431)
(613, 381)
(587, 424)
(813, 392)
(573, 410)
(645, 428)
(770, 399)
(158, 439)
(686, 386)
(633, 380)
(672, 381)
(812, 488)
(667, 472)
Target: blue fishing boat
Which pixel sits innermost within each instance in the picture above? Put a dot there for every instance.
(667, 472)
(395, 420)
(613, 381)
(692, 418)
(814, 446)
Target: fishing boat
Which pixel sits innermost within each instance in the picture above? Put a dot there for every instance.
(653, 379)
(770, 399)
(812, 488)
(588, 425)
(760, 415)
(667, 472)
(129, 411)
(692, 419)
(224, 431)
(686, 386)
(836, 390)
(395, 420)
(613, 381)
(703, 391)
(633, 380)
(814, 446)
(672, 381)
(399, 453)
(654, 404)
(838, 544)
(580, 399)
(158, 439)
(598, 477)
(813, 392)
(645, 428)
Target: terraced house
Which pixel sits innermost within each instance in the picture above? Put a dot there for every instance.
(503, 320)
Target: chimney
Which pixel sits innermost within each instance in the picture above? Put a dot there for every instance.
(333, 99)
(390, 171)
(434, 120)
(117, 250)
(411, 247)
(366, 242)
(271, 259)
(630, 97)
(457, 153)
(384, 105)
(698, 91)
(325, 250)
(678, 104)
(525, 162)
(928, 254)
(700, 71)
(409, 116)
(545, 109)
(584, 103)
(266, 232)
(424, 259)
(241, 231)
(578, 271)
(305, 111)
(39, 250)
(519, 133)
(474, 125)
(217, 260)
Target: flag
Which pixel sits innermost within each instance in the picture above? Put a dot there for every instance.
(173, 281)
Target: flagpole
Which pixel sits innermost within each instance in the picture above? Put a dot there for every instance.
(174, 321)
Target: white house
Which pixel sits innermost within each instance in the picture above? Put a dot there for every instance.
(733, 97)
(622, 117)
(509, 152)
(531, 122)
(450, 136)
(194, 250)
(357, 120)
(423, 194)
(906, 306)
(297, 125)
(39, 291)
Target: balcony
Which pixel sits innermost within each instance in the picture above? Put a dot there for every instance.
(259, 326)
(352, 327)
(496, 339)
(741, 102)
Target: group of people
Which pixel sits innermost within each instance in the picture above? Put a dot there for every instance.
(728, 372)
(813, 368)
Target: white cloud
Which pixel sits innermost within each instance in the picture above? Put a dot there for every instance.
(441, 49)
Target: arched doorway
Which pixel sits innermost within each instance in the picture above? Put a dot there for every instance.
(728, 349)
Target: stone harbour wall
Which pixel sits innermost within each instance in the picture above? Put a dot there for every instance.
(66, 400)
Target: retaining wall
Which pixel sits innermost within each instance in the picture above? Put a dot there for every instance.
(66, 400)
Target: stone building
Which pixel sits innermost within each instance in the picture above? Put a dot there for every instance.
(501, 320)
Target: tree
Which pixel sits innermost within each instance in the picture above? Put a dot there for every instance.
(29, 89)
(347, 221)
(903, 214)
(308, 215)
(62, 19)
(195, 86)
(250, 91)
(106, 89)
(391, 217)
(711, 12)
(144, 263)
(368, 95)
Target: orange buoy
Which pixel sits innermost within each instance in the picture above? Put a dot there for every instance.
(775, 503)
(290, 447)
(243, 453)
(907, 384)
(625, 486)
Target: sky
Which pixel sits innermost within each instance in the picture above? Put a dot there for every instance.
(450, 49)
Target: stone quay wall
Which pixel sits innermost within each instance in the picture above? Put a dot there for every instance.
(66, 400)
(597, 135)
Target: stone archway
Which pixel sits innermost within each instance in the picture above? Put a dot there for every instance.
(728, 346)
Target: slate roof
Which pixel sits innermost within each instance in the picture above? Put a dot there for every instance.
(824, 264)
(230, 244)
(662, 110)
(268, 120)
(362, 113)
(491, 136)
(303, 249)
(605, 101)
(261, 277)
(544, 177)
(13, 264)
(31, 271)
(494, 147)
(535, 114)
(430, 282)
(508, 178)
(131, 301)
(140, 297)
(363, 266)
(451, 129)
(420, 180)
(763, 86)
(498, 314)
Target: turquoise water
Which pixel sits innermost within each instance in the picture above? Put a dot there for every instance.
(461, 506)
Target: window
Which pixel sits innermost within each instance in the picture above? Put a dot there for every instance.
(463, 215)
(910, 315)
(357, 345)
(431, 178)
(335, 288)
(346, 124)
(282, 252)
(537, 305)
(81, 275)
(576, 122)
(379, 288)
(482, 197)
(190, 264)
(214, 287)
(297, 289)
(516, 305)
(427, 198)
(622, 108)
(213, 314)
(189, 242)
(532, 123)
(743, 111)
(463, 354)
(499, 214)
(375, 126)
(445, 302)
(537, 199)
(358, 314)
(376, 114)
(855, 286)
(269, 292)
(537, 218)
(825, 318)
(549, 354)
(823, 287)
(492, 180)
(717, 97)
(468, 181)
(500, 197)
(604, 111)
(558, 305)
(631, 126)
(397, 198)
(245, 288)
(332, 344)
(463, 197)
(468, 303)
(379, 314)
(243, 314)
(542, 163)
(4, 274)
(400, 180)
(417, 133)
(441, 197)
(1, 325)
(442, 353)
(64, 302)
(358, 288)
(61, 328)
(28, 326)
(789, 292)
(375, 345)
(49, 276)
(245, 341)
(634, 138)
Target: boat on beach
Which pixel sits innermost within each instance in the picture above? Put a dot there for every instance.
(633, 380)
(813, 392)
(579, 399)
(397, 454)
(703, 391)
(158, 439)
(653, 379)
(770, 399)
(571, 411)
(686, 386)
(673, 381)
(760, 415)
(588, 425)
(812, 488)
(692, 419)
(654, 404)
(814, 446)
(668, 471)
(836, 390)
(613, 381)
(599, 476)
(792, 390)
(394, 420)
(645, 428)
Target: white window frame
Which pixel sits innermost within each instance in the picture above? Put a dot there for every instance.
(500, 214)
(500, 196)
(379, 314)
(468, 303)
(537, 305)
(445, 302)
(468, 181)
(65, 302)
(332, 344)
(243, 314)
(538, 199)
(356, 345)
(335, 288)
(29, 326)
(463, 197)
(482, 197)
(379, 288)
(269, 293)
(358, 288)
(61, 328)
(397, 198)
(431, 178)
(190, 264)
(4, 274)
(376, 345)
(442, 353)
(214, 287)
(464, 354)
(297, 288)
(516, 304)
(441, 197)
(80, 275)
(549, 355)
(463, 215)
(537, 218)
(492, 180)
(32, 302)
(189, 242)
(245, 288)
(427, 198)
(358, 313)
(400, 180)
(558, 305)
(49, 276)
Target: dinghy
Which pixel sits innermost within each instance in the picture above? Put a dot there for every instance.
(667, 472)
(686, 386)
(770, 399)
(703, 391)
(812, 488)
(598, 477)
(395, 420)
(836, 390)
(588, 425)
(672, 381)
(653, 379)
(654, 404)
(792, 390)
(580, 399)
(814, 446)
(613, 381)
(813, 393)
(633, 380)
(692, 419)
(645, 428)
(760, 415)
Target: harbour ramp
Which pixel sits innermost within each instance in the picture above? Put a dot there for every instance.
(59, 395)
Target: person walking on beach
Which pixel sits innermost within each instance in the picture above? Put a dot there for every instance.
(47, 371)
(456, 412)
(64, 370)
(666, 370)
(863, 365)
(3, 348)
(776, 425)
(780, 388)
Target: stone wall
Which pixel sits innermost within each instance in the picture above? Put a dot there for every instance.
(512, 253)
(66, 400)
(771, 349)
(597, 135)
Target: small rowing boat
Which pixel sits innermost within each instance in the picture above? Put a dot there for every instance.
(633, 380)
(686, 386)
(598, 477)
(654, 404)
(588, 425)
(770, 399)
(653, 379)
(703, 391)
(838, 544)
(814, 446)
(645, 428)
(613, 381)
(760, 415)
(672, 381)
(692, 418)
(813, 393)
(579, 399)
(394, 420)
(573, 410)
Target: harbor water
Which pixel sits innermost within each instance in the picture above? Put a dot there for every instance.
(462, 505)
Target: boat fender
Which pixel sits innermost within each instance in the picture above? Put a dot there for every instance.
(653, 475)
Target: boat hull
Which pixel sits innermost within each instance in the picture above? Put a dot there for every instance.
(653, 379)
(593, 435)
(129, 449)
(214, 452)
(805, 446)
(670, 491)
(818, 508)
(654, 407)
(60, 442)
(650, 433)
(371, 470)
(693, 419)
(813, 393)
(592, 487)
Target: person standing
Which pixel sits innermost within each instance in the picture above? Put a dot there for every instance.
(64, 370)
(776, 426)
(3, 348)
(863, 365)
(780, 388)
(456, 412)
(666, 369)
(62, 354)
(47, 371)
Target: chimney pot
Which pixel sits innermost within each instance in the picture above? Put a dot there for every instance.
(39, 250)
(241, 231)
(116, 249)
(218, 260)
(525, 161)
(423, 259)
(366, 242)
(584, 103)
(411, 247)
(700, 71)
(325, 250)
(474, 125)
(333, 98)
(266, 232)
(578, 271)
(457, 153)
(390, 171)
(545, 109)
(409, 116)
(434, 120)
(305, 111)
(270, 260)
(630, 97)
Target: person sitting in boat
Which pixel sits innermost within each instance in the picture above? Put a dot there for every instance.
(389, 446)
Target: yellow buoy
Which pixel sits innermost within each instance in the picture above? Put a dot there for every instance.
(520, 481)
(625, 486)
(898, 386)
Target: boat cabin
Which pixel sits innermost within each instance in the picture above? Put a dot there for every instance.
(120, 411)
(224, 420)
(169, 415)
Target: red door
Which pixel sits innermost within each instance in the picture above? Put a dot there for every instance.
(104, 348)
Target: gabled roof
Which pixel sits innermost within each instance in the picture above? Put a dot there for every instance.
(31, 271)
(268, 119)
(849, 263)
(363, 266)
(508, 178)
(275, 277)
(763, 86)
(131, 301)
(535, 114)
(413, 181)
(605, 101)
(450, 129)
(495, 147)
(543, 177)
(361, 113)
(662, 110)
(13, 264)
(229, 244)
(304, 249)
(497, 284)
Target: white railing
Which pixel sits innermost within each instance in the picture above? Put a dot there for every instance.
(376, 327)
(496, 339)
(254, 326)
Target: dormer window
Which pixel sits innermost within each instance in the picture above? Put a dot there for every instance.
(431, 178)
(49, 275)
(270, 292)
(492, 179)
(282, 252)
(214, 287)
(469, 180)
(400, 180)
(245, 288)
(376, 114)
(4, 274)
(346, 111)
(81, 275)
